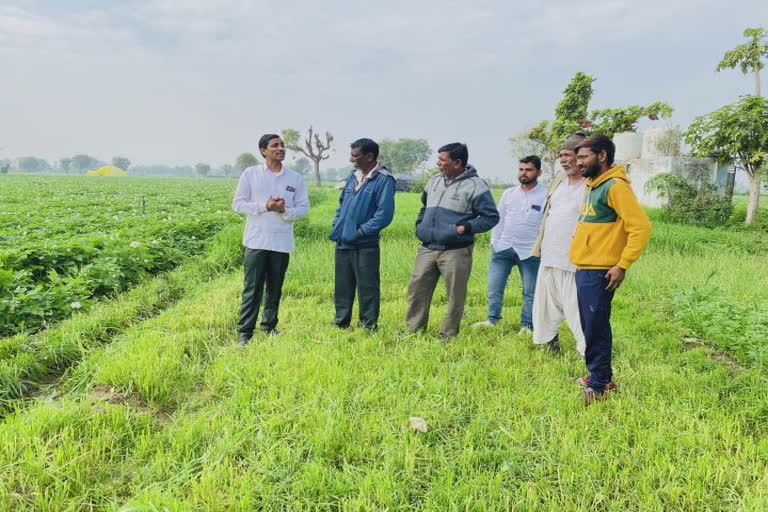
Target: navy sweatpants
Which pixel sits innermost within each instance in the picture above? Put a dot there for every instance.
(595, 314)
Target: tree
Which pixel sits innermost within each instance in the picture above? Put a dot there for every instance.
(571, 110)
(81, 163)
(246, 160)
(302, 166)
(546, 137)
(749, 58)
(228, 170)
(312, 147)
(404, 156)
(736, 133)
(33, 164)
(4, 166)
(121, 162)
(202, 170)
(571, 115)
(65, 164)
(610, 121)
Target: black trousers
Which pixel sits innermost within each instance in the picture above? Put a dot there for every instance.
(357, 270)
(262, 269)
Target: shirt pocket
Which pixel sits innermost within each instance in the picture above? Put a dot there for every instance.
(289, 196)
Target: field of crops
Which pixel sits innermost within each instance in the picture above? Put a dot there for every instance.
(146, 403)
(67, 241)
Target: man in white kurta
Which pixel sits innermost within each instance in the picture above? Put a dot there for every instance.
(555, 298)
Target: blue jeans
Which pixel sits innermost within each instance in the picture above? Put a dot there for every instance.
(595, 314)
(498, 275)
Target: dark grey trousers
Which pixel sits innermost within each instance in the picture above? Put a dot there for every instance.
(357, 270)
(262, 269)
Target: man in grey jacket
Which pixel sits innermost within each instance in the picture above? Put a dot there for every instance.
(456, 205)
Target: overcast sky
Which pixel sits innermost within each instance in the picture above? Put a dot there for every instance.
(180, 82)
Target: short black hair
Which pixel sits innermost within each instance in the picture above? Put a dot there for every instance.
(264, 140)
(532, 159)
(597, 143)
(366, 146)
(457, 151)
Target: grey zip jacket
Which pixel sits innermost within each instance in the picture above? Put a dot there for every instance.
(464, 201)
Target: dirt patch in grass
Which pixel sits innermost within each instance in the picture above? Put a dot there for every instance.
(103, 393)
(716, 355)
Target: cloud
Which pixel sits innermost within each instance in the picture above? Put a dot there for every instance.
(195, 79)
(23, 30)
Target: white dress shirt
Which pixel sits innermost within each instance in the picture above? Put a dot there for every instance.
(265, 229)
(520, 215)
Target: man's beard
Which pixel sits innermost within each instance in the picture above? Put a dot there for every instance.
(592, 171)
(526, 181)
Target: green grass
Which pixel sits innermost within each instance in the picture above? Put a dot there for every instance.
(172, 415)
(28, 362)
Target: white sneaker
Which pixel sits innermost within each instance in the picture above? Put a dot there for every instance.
(483, 324)
(525, 332)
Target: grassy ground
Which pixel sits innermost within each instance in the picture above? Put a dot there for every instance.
(169, 414)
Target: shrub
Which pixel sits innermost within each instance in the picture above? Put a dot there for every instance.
(688, 204)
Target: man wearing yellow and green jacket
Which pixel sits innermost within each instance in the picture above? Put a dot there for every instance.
(611, 234)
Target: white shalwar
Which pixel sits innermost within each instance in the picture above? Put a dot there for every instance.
(555, 299)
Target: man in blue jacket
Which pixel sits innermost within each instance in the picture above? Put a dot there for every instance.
(457, 205)
(366, 206)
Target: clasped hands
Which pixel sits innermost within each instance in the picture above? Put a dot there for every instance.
(276, 204)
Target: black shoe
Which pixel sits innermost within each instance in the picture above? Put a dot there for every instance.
(271, 332)
(340, 326)
(444, 338)
(368, 328)
(243, 339)
(553, 345)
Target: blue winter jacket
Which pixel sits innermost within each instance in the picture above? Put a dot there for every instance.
(465, 201)
(362, 215)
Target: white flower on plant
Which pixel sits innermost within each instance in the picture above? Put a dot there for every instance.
(75, 305)
(135, 244)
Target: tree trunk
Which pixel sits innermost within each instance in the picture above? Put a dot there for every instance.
(754, 195)
(550, 159)
(730, 183)
(757, 82)
(317, 171)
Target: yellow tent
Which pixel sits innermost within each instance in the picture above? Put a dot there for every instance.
(107, 170)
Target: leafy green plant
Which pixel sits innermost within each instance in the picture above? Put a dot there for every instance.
(687, 204)
(735, 133)
(66, 243)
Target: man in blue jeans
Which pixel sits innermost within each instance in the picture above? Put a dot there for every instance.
(512, 240)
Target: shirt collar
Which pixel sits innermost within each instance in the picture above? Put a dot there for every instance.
(270, 172)
(359, 173)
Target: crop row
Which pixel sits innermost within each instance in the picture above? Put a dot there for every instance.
(65, 242)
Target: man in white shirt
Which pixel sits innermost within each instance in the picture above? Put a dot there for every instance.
(512, 240)
(272, 198)
(555, 298)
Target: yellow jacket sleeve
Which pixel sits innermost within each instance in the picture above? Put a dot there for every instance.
(636, 224)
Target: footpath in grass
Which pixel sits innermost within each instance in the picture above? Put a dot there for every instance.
(174, 416)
